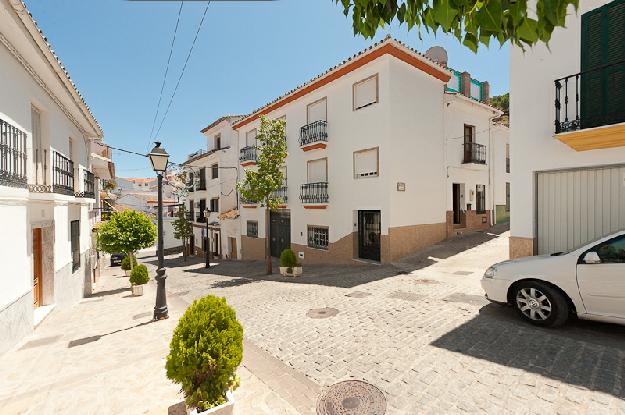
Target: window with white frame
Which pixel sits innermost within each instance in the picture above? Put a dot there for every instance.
(250, 138)
(480, 198)
(366, 163)
(317, 111)
(252, 229)
(318, 237)
(215, 171)
(365, 92)
(318, 170)
(217, 141)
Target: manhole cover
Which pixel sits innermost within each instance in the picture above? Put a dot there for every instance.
(358, 294)
(403, 295)
(352, 397)
(476, 300)
(463, 273)
(322, 312)
(425, 281)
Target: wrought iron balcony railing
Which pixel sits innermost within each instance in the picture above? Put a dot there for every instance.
(474, 153)
(89, 186)
(313, 133)
(590, 99)
(247, 154)
(282, 193)
(62, 174)
(12, 156)
(314, 193)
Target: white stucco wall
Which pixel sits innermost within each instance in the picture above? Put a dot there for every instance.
(532, 95)
(500, 137)
(15, 256)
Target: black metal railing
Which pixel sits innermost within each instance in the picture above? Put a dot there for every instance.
(247, 154)
(596, 99)
(507, 164)
(12, 156)
(88, 185)
(200, 218)
(313, 133)
(314, 193)
(281, 193)
(245, 201)
(474, 153)
(62, 174)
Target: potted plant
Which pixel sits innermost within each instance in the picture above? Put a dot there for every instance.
(205, 351)
(138, 278)
(125, 265)
(289, 266)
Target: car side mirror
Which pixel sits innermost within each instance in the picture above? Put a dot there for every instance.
(592, 258)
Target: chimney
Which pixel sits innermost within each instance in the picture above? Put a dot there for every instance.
(437, 54)
(485, 92)
(465, 84)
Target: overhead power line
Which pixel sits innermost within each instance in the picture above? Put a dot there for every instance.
(171, 100)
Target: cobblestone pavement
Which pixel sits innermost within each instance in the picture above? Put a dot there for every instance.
(421, 331)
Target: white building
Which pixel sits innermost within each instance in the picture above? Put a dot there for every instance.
(213, 175)
(377, 166)
(568, 133)
(47, 187)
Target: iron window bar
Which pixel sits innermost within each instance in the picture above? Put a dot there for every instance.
(474, 153)
(12, 156)
(318, 237)
(314, 193)
(576, 122)
(62, 174)
(247, 154)
(313, 133)
(281, 193)
(88, 186)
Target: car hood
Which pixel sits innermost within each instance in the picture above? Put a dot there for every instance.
(533, 266)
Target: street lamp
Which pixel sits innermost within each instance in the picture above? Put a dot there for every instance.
(159, 158)
(207, 257)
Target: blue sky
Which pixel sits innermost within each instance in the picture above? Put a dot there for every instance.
(247, 54)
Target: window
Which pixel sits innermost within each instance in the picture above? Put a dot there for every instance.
(217, 141)
(318, 237)
(250, 138)
(480, 198)
(318, 171)
(215, 205)
(507, 197)
(252, 229)
(316, 111)
(365, 92)
(366, 163)
(201, 216)
(38, 155)
(75, 241)
(202, 185)
(507, 158)
(191, 210)
(612, 251)
(469, 134)
(215, 171)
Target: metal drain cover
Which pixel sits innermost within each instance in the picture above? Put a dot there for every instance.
(352, 397)
(322, 312)
(463, 273)
(404, 295)
(358, 294)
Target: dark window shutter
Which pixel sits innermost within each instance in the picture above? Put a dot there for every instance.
(603, 86)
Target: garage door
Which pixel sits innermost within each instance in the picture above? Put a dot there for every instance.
(578, 206)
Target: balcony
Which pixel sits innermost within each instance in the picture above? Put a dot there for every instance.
(12, 156)
(248, 203)
(474, 153)
(247, 156)
(281, 193)
(200, 219)
(62, 174)
(88, 186)
(314, 136)
(314, 195)
(588, 100)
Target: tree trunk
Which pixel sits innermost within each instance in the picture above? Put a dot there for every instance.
(184, 249)
(131, 257)
(268, 241)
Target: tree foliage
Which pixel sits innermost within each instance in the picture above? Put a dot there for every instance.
(183, 229)
(472, 22)
(501, 102)
(139, 275)
(260, 184)
(126, 231)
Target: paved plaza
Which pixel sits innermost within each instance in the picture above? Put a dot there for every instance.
(419, 330)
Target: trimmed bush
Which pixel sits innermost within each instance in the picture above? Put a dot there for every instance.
(205, 351)
(139, 275)
(288, 258)
(126, 262)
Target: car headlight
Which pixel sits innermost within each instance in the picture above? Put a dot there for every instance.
(490, 272)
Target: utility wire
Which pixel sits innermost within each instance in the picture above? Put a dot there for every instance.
(197, 33)
(171, 50)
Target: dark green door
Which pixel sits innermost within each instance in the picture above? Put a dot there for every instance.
(280, 231)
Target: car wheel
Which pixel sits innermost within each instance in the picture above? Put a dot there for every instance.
(540, 304)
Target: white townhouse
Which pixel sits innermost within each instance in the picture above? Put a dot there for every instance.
(212, 177)
(388, 152)
(48, 190)
(568, 133)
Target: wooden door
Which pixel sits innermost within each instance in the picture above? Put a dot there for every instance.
(37, 266)
(233, 248)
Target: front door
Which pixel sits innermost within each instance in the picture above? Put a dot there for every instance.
(233, 248)
(369, 228)
(602, 285)
(280, 231)
(37, 266)
(456, 203)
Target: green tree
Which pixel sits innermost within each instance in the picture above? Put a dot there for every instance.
(260, 184)
(126, 231)
(183, 229)
(501, 102)
(471, 21)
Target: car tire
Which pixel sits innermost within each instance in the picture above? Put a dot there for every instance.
(540, 304)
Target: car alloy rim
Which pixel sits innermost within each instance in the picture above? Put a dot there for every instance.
(533, 304)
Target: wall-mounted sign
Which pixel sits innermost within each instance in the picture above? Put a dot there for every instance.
(401, 186)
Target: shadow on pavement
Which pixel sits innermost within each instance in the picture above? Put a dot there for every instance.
(91, 339)
(109, 292)
(581, 353)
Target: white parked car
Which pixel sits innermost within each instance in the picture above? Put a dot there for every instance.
(546, 289)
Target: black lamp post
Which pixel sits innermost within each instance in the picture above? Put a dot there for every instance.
(159, 158)
(207, 256)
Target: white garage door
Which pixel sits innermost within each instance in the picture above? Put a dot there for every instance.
(578, 206)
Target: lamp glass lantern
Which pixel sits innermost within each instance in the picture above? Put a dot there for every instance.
(159, 158)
